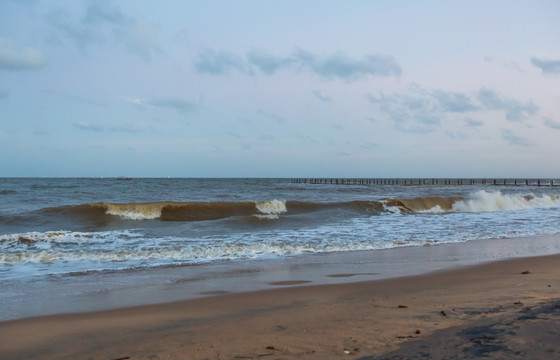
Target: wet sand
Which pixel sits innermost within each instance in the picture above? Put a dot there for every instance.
(499, 309)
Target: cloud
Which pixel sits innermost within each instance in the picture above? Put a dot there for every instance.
(336, 65)
(15, 59)
(514, 109)
(547, 66)
(340, 65)
(179, 104)
(421, 110)
(40, 131)
(174, 103)
(472, 122)
(140, 39)
(321, 97)
(128, 128)
(548, 122)
(99, 12)
(513, 139)
(218, 62)
(267, 137)
(416, 112)
(505, 64)
(234, 134)
(64, 25)
(453, 101)
(369, 145)
(266, 62)
(272, 116)
(103, 20)
(456, 136)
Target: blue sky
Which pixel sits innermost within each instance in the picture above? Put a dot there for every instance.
(279, 88)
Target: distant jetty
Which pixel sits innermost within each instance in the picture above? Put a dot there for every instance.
(428, 181)
(124, 178)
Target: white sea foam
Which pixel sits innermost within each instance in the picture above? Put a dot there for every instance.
(393, 209)
(45, 240)
(270, 209)
(135, 211)
(483, 201)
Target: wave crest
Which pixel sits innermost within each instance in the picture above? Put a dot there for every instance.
(483, 201)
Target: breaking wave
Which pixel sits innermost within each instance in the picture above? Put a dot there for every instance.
(480, 201)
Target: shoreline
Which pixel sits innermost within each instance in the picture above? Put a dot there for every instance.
(114, 290)
(305, 322)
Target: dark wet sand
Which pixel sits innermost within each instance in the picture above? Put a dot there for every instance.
(496, 310)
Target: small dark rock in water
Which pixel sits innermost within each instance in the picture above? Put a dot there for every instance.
(402, 307)
(443, 313)
(526, 272)
(417, 332)
(270, 348)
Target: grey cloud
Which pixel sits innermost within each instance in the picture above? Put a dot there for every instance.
(414, 129)
(458, 135)
(421, 110)
(337, 65)
(514, 109)
(234, 134)
(15, 59)
(278, 118)
(179, 104)
(140, 39)
(340, 65)
(453, 101)
(369, 145)
(266, 62)
(548, 122)
(428, 119)
(102, 20)
(103, 11)
(547, 66)
(64, 25)
(267, 137)
(128, 128)
(417, 108)
(320, 96)
(40, 131)
(505, 64)
(218, 62)
(513, 139)
(472, 122)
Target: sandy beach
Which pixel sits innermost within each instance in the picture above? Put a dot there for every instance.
(508, 308)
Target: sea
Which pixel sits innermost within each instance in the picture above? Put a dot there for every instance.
(82, 230)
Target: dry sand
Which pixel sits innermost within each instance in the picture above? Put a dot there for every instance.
(493, 310)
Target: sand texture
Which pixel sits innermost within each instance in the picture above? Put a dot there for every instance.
(507, 309)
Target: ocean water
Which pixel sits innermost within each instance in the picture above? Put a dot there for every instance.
(67, 227)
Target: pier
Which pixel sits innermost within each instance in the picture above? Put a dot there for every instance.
(429, 181)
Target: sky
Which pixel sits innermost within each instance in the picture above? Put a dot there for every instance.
(279, 88)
